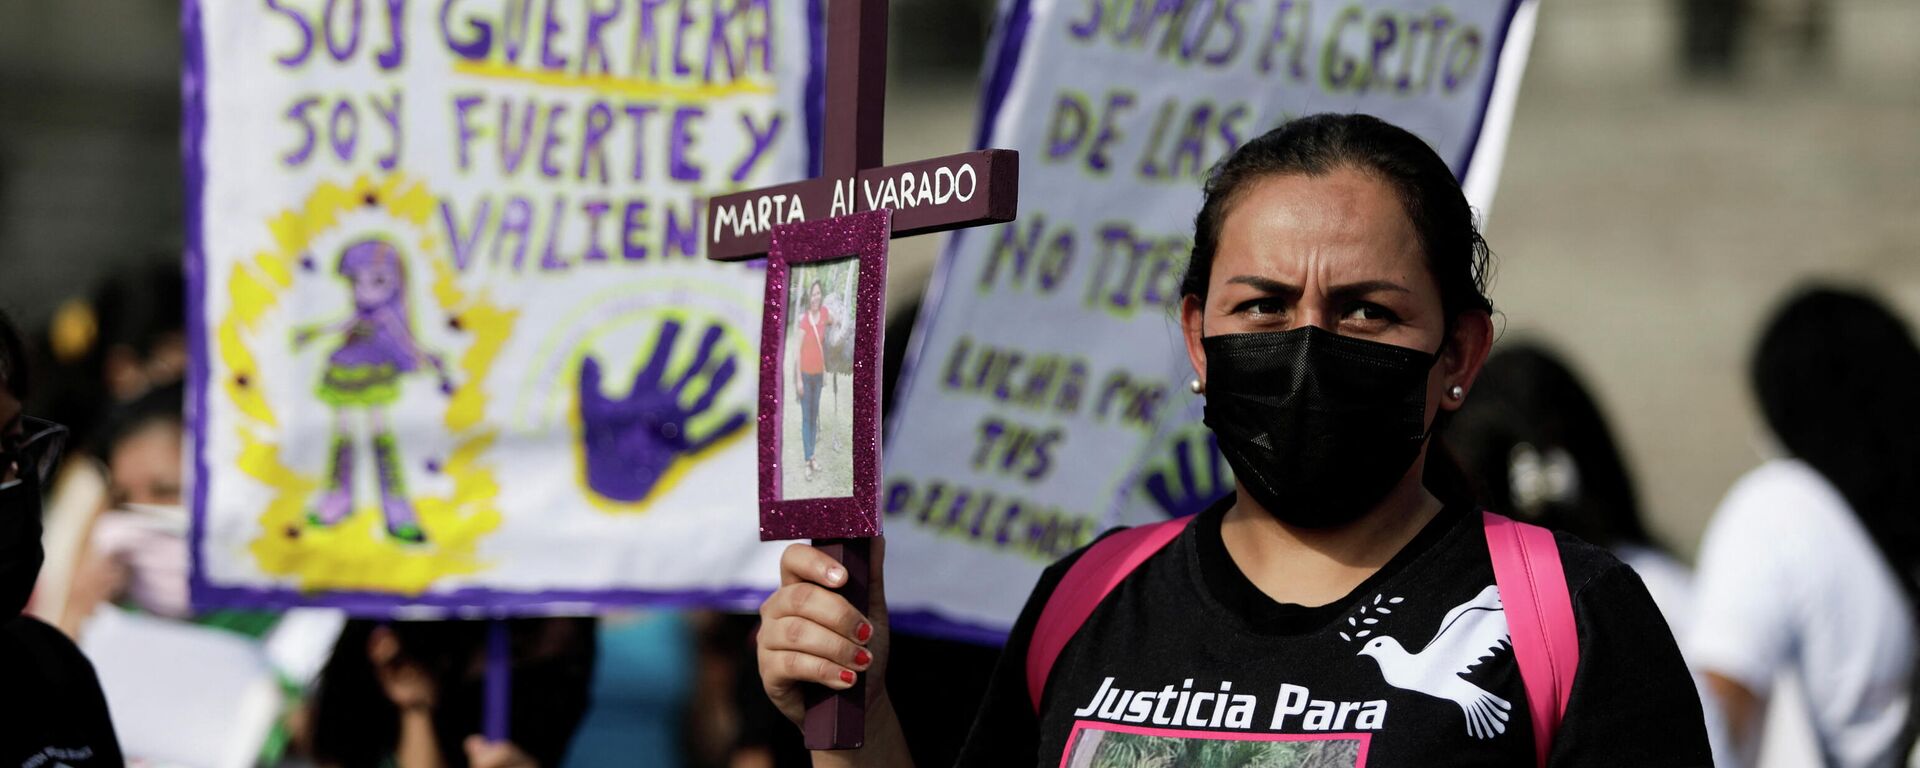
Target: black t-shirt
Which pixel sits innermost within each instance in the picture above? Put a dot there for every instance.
(1188, 663)
(51, 709)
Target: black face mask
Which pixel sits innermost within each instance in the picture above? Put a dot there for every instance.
(20, 552)
(1318, 427)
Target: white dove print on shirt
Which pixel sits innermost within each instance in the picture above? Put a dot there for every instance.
(1470, 633)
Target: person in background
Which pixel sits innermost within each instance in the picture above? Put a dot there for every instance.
(1537, 446)
(136, 552)
(144, 328)
(408, 694)
(51, 708)
(1811, 563)
(1535, 443)
(644, 679)
(135, 556)
(663, 693)
(126, 338)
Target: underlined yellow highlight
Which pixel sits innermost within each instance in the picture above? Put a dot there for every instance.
(612, 84)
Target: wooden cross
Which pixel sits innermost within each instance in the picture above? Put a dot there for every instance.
(953, 192)
(945, 193)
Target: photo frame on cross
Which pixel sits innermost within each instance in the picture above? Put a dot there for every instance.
(819, 420)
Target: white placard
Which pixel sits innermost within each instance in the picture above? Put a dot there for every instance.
(455, 340)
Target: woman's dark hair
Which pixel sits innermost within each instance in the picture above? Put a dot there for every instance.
(142, 310)
(1836, 374)
(1537, 448)
(164, 404)
(1320, 144)
(354, 723)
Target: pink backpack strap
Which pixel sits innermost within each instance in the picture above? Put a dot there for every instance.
(1546, 643)
(1088, 581)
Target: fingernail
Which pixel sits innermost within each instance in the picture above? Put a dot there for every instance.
(834, 575)
(864, 633)
(861, 657)
(846, 677)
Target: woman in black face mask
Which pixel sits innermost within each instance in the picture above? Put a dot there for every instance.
(1341, 607)
(51, 709)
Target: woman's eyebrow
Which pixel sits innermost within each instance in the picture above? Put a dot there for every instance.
(1265, 285)
(1274, 287)
(1364, 287)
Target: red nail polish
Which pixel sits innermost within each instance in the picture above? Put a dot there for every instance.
(861, 657)
(864, 633)
(846, 677)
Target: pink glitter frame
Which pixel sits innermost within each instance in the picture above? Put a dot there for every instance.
(863, 236)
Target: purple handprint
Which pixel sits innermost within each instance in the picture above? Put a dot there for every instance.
(1175, 486)
(631, 442)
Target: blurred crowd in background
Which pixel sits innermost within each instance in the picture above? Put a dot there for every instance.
(1797, 612)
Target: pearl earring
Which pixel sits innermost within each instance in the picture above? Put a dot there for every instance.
(1457, 392)
(1197, 387)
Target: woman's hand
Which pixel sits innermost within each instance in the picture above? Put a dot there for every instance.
(809, 634)
(497, 754)
(97, 580)
(406, 684)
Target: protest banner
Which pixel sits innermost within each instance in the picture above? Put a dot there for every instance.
(455, 342)
(1044, 399)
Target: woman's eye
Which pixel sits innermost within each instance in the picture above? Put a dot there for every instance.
(1371, 313)
(1261, 307)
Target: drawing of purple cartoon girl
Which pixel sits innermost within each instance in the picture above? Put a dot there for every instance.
(364, 373)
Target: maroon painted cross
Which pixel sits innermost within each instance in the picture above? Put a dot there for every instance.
(952, 192)
(944, 193)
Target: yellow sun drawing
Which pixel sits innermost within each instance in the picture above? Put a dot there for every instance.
(356, 554)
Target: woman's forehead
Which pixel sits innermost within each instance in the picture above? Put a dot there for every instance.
(1345, 224)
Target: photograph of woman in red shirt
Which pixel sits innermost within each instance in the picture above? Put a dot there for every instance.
(813, 326)
(818, 344)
